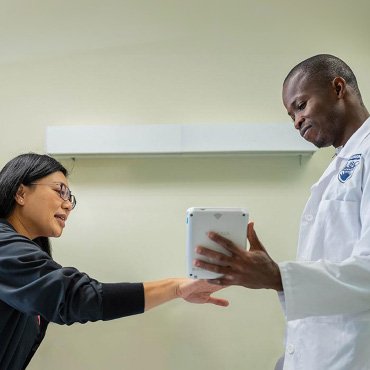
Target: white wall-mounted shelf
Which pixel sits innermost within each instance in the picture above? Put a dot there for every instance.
(175, 139)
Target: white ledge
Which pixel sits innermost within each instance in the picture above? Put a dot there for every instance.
(175, 139)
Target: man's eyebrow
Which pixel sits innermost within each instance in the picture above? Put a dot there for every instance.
(293, 105)
(294, 102)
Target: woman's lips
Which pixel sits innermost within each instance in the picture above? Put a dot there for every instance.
(61, 219)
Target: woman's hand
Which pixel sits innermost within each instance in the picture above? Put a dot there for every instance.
(193, 291)
(200, 291)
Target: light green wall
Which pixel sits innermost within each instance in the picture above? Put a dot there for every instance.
(135, 62)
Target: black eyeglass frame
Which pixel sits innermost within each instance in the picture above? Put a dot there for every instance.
(64, 192)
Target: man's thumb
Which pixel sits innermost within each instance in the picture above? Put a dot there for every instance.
(254, 242)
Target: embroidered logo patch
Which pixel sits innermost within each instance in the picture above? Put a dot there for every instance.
(347, 172)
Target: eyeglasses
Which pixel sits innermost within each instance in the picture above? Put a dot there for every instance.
(64, 192)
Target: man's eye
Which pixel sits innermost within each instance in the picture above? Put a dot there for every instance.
(302, 105)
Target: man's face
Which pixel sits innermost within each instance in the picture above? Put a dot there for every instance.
(315, 110)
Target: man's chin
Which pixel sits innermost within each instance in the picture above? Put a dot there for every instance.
(321, 143)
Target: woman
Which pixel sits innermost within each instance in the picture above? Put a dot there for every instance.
(35, 203)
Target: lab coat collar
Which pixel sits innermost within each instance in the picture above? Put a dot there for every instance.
(357, 138)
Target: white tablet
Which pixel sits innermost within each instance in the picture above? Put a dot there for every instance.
(228, 222)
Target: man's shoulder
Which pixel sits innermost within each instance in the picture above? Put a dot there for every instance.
(363, 148)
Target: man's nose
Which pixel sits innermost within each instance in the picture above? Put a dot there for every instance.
(298, 121)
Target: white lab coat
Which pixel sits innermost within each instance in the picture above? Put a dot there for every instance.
(326, 295)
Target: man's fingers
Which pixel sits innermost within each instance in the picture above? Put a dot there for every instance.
(226, 243)
(213, 256)
(211, 267)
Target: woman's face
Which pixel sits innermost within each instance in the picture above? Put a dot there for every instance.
(42, 211)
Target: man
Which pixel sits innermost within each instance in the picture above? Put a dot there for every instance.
(326, 292)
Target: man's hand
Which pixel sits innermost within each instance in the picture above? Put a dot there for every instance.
(252, 269)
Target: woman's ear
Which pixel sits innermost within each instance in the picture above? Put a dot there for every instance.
(20, 195)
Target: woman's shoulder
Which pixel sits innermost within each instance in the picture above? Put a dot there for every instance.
(9, 238)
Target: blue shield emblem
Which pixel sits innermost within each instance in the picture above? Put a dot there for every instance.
(347, 172)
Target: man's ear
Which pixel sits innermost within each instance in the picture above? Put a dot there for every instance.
(340, 86)
(20, 195)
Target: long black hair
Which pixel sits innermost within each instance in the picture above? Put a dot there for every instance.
(25, 169)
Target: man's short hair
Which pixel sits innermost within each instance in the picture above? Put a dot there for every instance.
(324, 68)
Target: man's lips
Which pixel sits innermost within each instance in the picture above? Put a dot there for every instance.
(304, 130)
